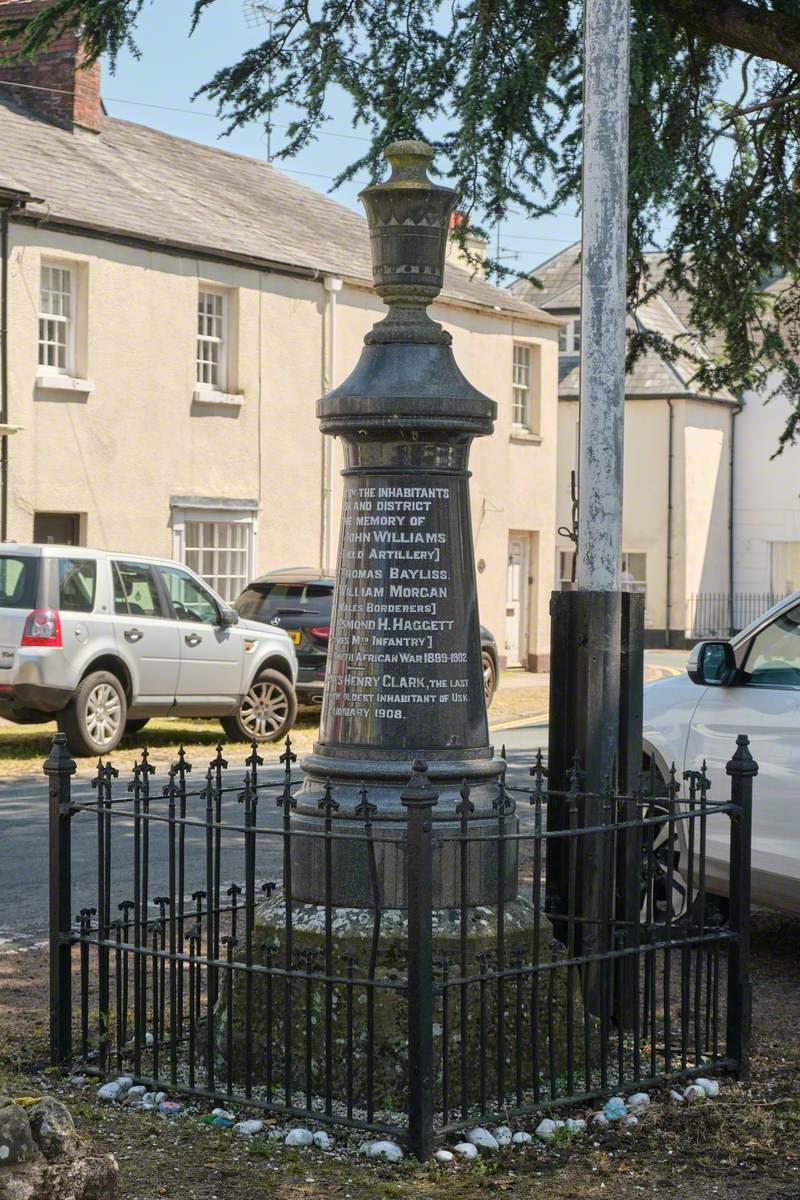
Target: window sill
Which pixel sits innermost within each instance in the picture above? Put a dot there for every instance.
(209, 396)
(525, 435)
(64, 383)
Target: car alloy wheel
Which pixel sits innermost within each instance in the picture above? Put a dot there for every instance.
(264, 709)
(656, 898)
(103, 714)
(489, 680)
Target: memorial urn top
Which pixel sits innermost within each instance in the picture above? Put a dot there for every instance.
(409, 220)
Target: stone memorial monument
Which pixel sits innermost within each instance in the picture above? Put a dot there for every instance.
(404, 679)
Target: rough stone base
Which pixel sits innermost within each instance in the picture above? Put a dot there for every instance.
(300, 1006)
(89, 1178)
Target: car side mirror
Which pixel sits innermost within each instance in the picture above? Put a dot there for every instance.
(228, 616)
(712, 664)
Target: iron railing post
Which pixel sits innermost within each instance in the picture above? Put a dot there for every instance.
(742, 769)
(419, 799)
(59, 769)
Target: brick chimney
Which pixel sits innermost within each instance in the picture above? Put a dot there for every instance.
(58, 88)
(455, 253)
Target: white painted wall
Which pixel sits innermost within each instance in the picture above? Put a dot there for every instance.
(118, 454)
(766, 490)
(700, 497)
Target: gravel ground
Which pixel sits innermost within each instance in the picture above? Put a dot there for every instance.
(743, 1146)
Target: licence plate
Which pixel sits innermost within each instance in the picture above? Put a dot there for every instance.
(295, 635)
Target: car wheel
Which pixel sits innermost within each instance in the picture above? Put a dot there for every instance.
(94, 721)
(489, 677)
(136, 724)
(656, 897)
(266, 713)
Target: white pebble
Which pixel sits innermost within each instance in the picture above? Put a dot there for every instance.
(444, 1156)
(124, 1082)
(323, 1140)
(676, 1097)
(482, 1138)
(161, 1097)
(502, 1135)
(466, 1150)
(522, 1138)
(388, 1150)
(693, 1094)
(709, 1086)
(108, 1092)
(546, 1130)
(248, 1128)
(299, 1137)
(638, 1103)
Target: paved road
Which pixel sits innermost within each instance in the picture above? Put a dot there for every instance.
(24, 842)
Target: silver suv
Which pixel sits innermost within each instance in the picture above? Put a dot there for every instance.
(102, 642)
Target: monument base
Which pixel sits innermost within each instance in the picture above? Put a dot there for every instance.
(534, 1008)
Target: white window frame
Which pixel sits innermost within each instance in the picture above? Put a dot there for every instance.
(67, 320)
(788, 550)
(521, 386)
(634, 584)
(186, 511)
(568, 343)
(206, 339)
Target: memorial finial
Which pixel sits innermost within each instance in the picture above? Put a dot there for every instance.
(409, 220)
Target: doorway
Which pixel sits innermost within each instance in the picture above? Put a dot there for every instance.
(518, 583)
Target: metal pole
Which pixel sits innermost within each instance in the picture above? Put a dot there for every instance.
(59, 768)
(742, 769)
(418, 799)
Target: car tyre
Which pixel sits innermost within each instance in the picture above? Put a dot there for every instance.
(94, 720)
(655, 897)
(136, 724)
(266, 712)
(489, 677)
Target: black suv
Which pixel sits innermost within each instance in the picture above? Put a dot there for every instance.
(300, 600)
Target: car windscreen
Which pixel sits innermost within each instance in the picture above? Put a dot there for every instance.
(262, 601)
(19, 575)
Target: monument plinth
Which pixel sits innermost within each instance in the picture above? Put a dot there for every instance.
(404, 676)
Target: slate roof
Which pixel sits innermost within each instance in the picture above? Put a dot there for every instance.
(131, 180)
(665, 313)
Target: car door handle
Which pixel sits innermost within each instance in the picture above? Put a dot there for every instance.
(193, 639)
(133, 635)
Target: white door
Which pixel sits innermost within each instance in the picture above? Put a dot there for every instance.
(515, 596)
(764, 704)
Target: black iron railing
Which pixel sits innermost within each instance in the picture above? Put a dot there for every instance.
(194, 969)
(718, 614)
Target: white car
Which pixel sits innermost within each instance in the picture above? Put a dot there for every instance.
(750, 684)
(101, 642)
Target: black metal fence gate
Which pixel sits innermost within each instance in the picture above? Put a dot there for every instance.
(188, 964)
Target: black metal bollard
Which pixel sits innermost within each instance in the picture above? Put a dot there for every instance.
(59, 768)
(742, 769)
(418, 798)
